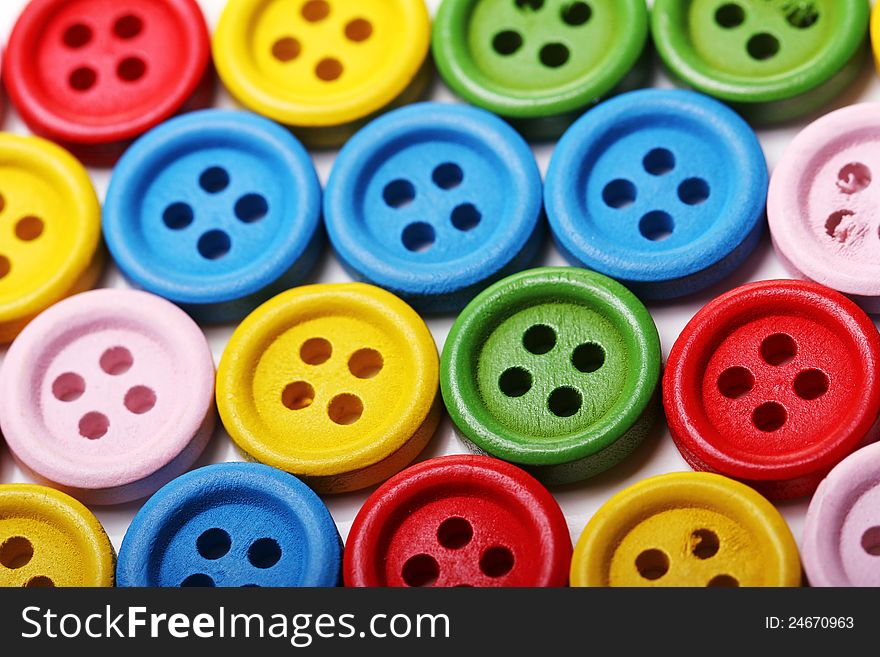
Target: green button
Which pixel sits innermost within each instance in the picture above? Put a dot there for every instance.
(555, 370)
(774, 59)
(538, 61)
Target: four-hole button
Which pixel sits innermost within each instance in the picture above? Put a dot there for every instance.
(459, 521)
(216, 211)
(337, 384)
(108, 395)
(93, 76)
(773, 383)
(555, 370)
(434, 202)
(663, 190)
(228, 525)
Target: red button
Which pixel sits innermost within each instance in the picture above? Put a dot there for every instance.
(92, 75)
(459, 521)
(773, 384)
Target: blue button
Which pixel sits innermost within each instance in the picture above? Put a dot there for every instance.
(234, 524)
(216, 211)
(435, 202)
(663, 190)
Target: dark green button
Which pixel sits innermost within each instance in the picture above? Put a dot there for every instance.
(555, 370)
(536, 61)
(774, 59)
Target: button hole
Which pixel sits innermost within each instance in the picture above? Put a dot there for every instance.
(652, 564)
(576, 14)
(736, 382)
(298, 395)
(286, 49)
(366, 363)
(77, 35)
(704, 544)
(496, 562)
(131, 69)
(359, 30)
(345, 409)
(128, 26)
(420, 570)
(515, 382)
(454, 533)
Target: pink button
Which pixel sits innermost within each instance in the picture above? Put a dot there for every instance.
(823, 204)
(108, 395)
(841, 545)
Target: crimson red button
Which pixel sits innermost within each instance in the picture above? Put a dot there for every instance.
(773, 384)
(459, 521)
(92, 75)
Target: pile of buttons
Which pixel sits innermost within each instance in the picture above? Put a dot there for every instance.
(193, 314)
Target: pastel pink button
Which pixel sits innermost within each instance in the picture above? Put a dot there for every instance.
(841, 545)
(108, 395)
(824, 204)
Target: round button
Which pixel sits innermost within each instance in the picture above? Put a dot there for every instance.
(773, 384)
(108, 395)
(234, 524)
(336, 384)
(664, 191)
(841, 545)
(554, 369)
(434, 202)
(538, 61)
(821, 205)
(50, 230)
(686, 529)
(217, 211)
(322, 65)
(48, 539)
(775, 61)
(94, 75)
(459, 521)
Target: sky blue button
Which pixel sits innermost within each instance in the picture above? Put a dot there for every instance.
(231, 525)
(435, 202)
(216, 211)
(663, 190)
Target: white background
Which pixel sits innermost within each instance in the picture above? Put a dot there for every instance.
(656, 456)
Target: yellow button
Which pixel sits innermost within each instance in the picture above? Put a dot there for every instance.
(320, 63)
(49, 539)
(686, 529)
(50, 230)
(337, 384)
(875, 35)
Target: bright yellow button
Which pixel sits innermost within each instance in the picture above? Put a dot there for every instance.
(49, 539)
(686, 529)
(875, 35)
(337, 384)
(50, 230)
(320, 63)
